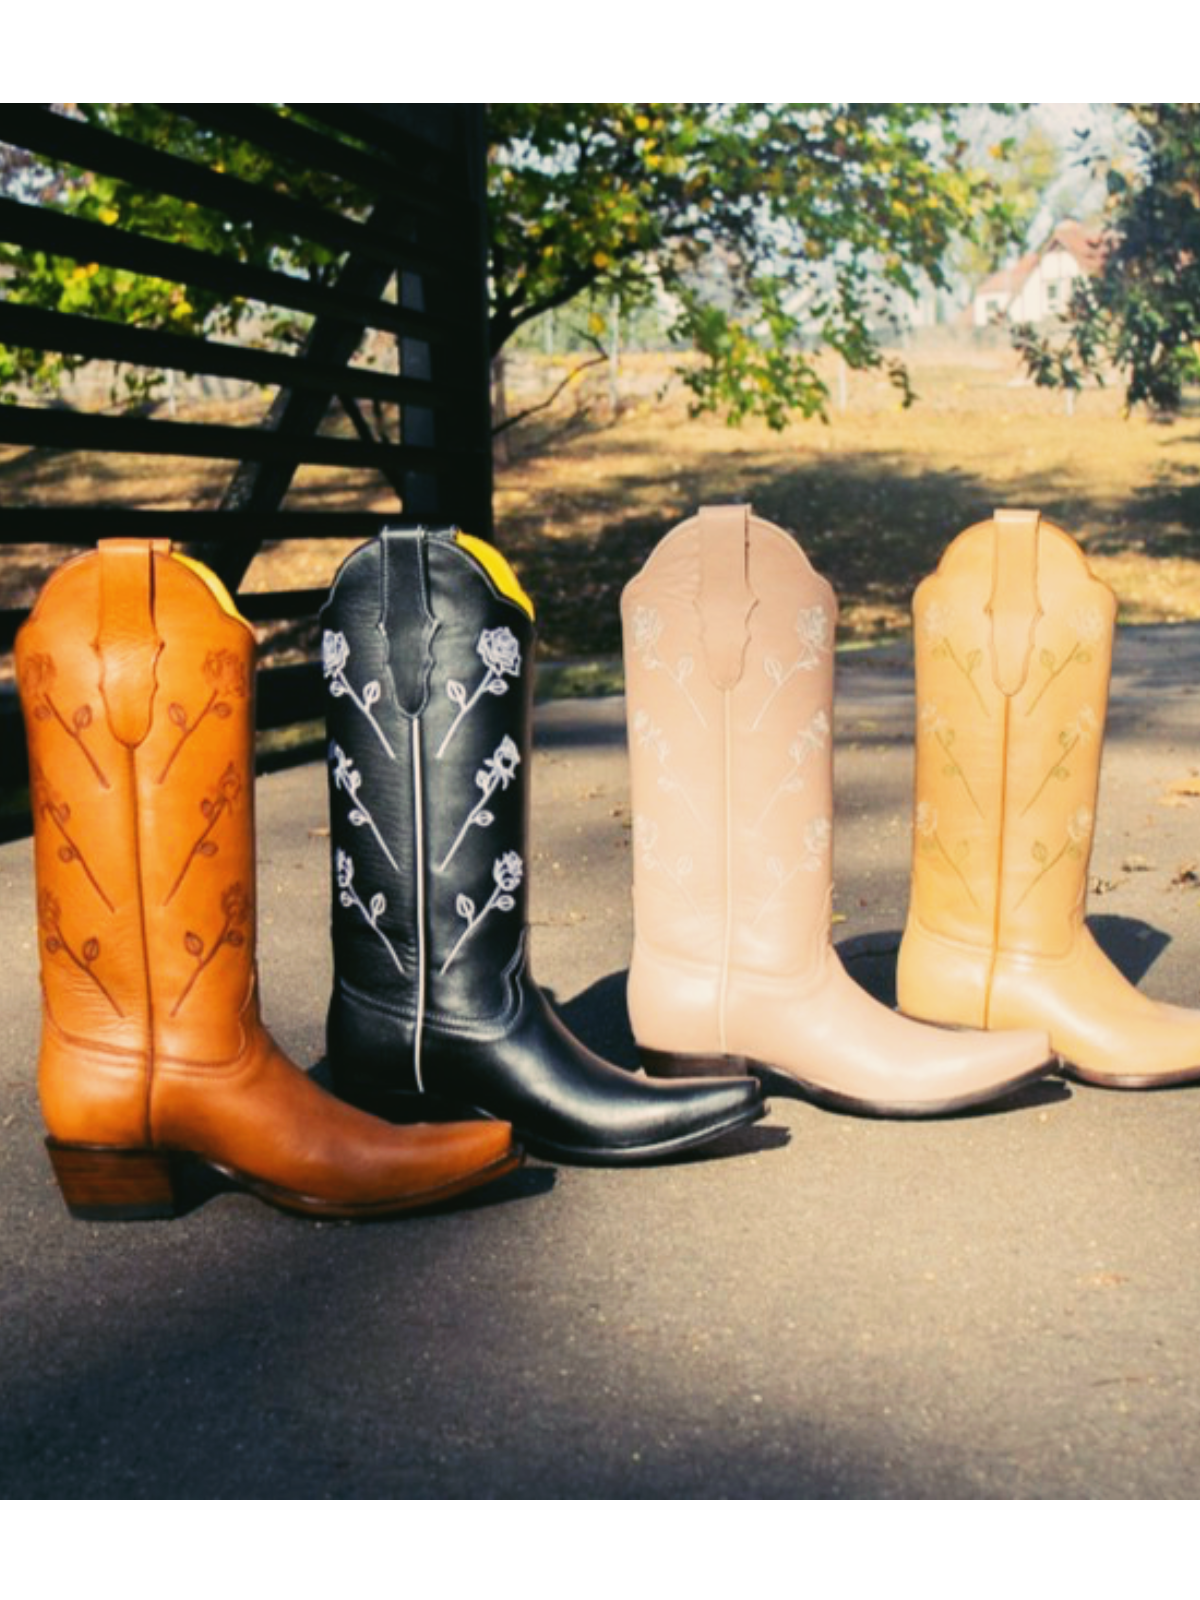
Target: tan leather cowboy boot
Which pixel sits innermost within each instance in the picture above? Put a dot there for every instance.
(1013, 653)
(729, 681)
(136, 678)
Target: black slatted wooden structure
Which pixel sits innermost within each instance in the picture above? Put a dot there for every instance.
(410, 263)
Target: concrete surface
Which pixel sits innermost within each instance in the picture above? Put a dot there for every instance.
(1002, 1305)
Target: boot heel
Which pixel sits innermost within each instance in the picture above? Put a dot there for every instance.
(666, 1064)
(107, 1185)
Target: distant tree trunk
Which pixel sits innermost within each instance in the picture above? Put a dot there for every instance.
(499, 407)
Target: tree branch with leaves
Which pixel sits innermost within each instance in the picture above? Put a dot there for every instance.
(770, 231)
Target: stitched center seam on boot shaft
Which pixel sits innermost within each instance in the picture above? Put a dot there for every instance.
(727, 823)
(493, 1026)
(143, 610)
(419, 877)
(998, 896)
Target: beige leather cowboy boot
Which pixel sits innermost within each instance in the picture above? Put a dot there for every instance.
(729, 682)
(1013, 652)
(137, 682)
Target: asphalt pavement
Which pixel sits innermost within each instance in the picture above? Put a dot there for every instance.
(819, 1307)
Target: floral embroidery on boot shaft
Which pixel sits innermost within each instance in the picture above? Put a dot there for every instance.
(37, 677)
(645, 836)
(507, 872)
(348, 896)
(500, 652)
(1075, 733)
(235, 908)
(225, 674)
(52, 808)
(929, 842)
(647, 630)
(335, 652)
(497, 772)
(220, 799)
(818, 835)
(936, 622)
(50, 923)
(1074, 847)
(1088, 625)
(936, 727)
(346, 776)
(811, 739)
(812, 627)
(651, 737)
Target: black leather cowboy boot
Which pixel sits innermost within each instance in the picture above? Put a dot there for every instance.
(427, 659)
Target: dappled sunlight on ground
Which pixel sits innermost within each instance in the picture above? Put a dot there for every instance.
(875, 493)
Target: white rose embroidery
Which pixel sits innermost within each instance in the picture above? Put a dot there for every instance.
(335, 652)
(371, 914)
(507, 872)
(500, 652)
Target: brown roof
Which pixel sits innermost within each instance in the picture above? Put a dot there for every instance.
(1088, 246)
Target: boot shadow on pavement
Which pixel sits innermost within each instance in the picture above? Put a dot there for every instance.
(599, 1017)
(870, 959)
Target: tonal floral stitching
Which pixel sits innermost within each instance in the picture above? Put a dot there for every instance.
(37, 675)
(812, 626)
(52, 807)
(817, 836)
(936, 726)
(651, 737)
(223, 797)
(235, 908)
(226, 675)
(1075, 733)
(936, 623)
(807, 742)
(500, 652)
(1089, 628)
(1079, 832)
(647, 630)
(335, 652)
(929, 840)
(645, 834)
(50, 922)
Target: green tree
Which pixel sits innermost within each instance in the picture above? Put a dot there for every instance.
(1023, 170)
(1140, 317)
(770, 230)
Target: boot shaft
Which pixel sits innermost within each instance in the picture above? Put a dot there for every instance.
(428, 648)
(1013, 652)
(729, 681)
(136, 681)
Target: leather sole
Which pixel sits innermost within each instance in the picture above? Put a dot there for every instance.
(778, 1081)
(1183, 1079)
(102, 1184)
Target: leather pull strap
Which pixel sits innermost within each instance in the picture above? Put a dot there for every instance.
(127, 640)
(405, 620)
(1014, 607)
(725, 600)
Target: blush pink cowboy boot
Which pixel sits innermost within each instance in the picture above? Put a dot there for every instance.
(729, 680)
